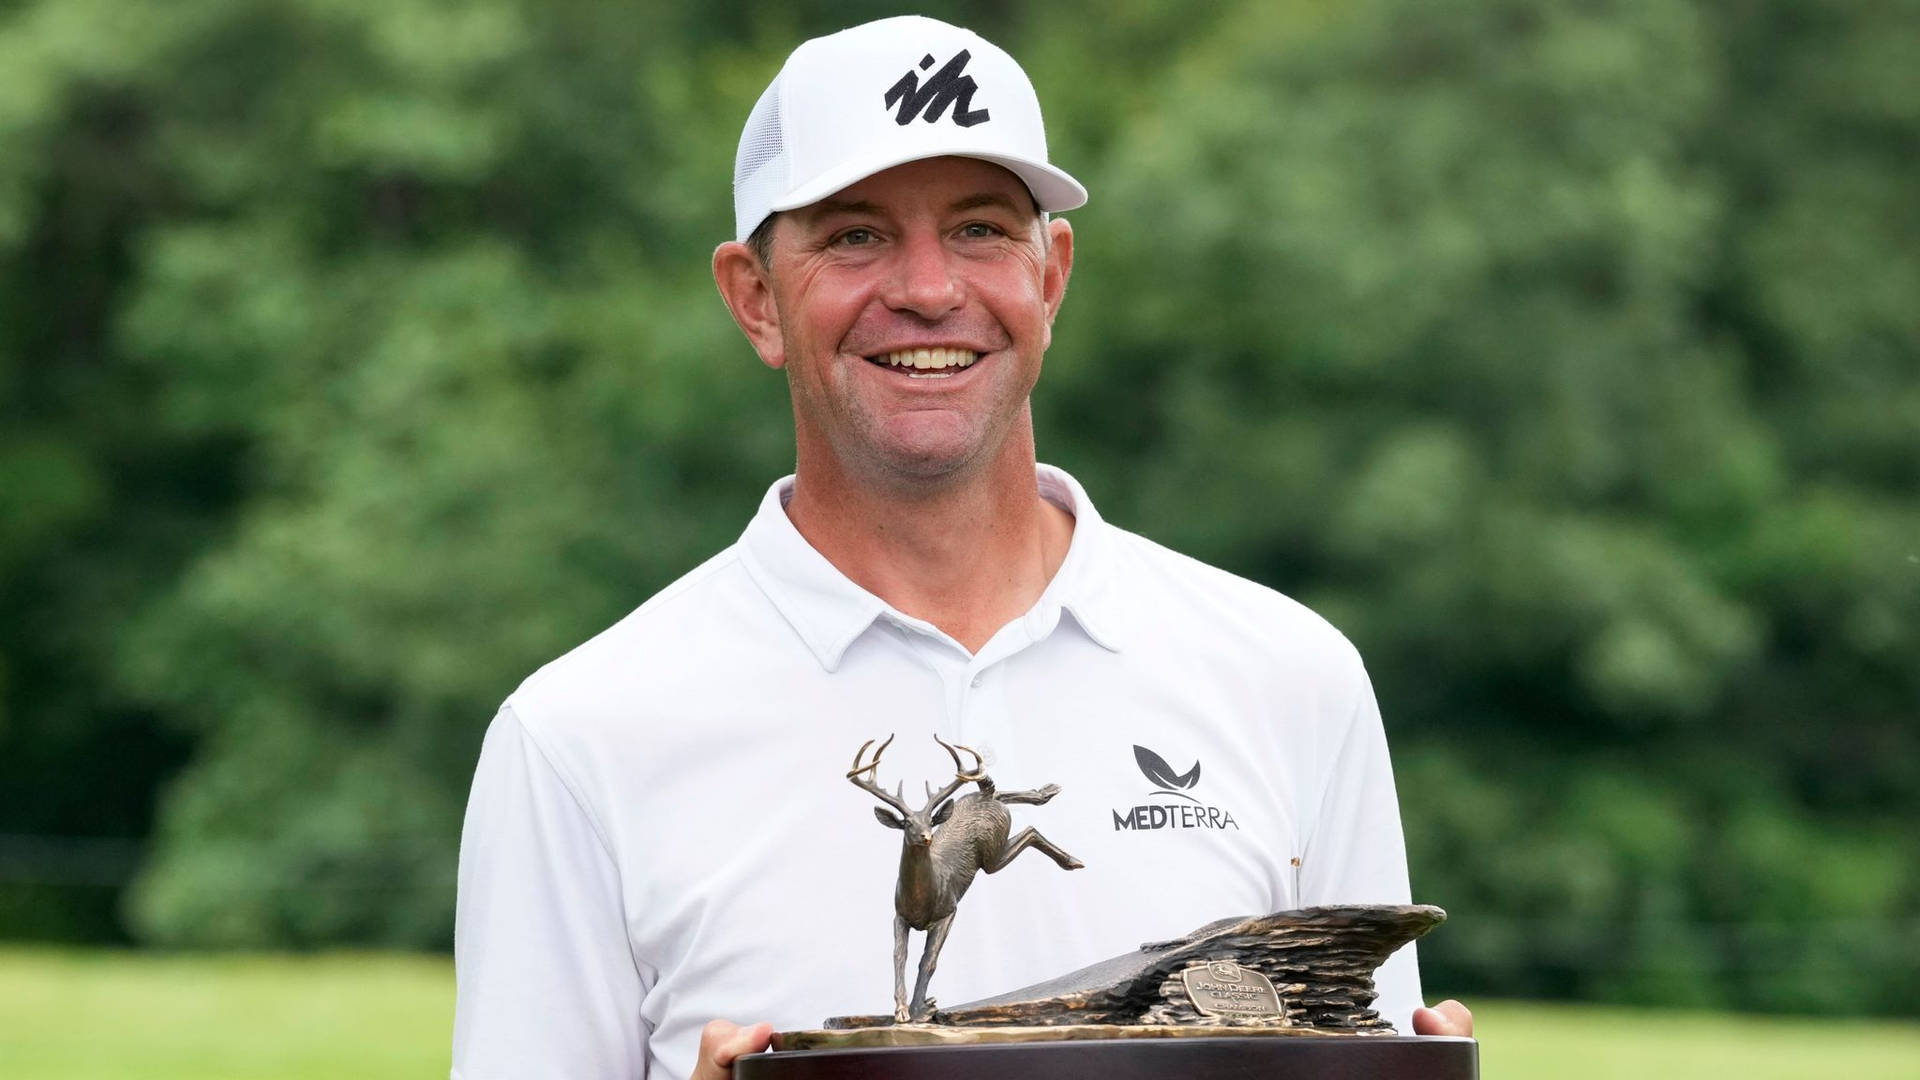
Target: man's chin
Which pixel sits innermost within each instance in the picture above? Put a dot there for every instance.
(931, 467)
(927, 465)
(930, 443)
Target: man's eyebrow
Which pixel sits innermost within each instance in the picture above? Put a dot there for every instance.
(985, 199)
(861, 207)
(829, 207)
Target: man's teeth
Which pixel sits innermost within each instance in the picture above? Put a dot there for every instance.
(929, 359)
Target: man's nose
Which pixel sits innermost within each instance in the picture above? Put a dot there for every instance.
(923, 281)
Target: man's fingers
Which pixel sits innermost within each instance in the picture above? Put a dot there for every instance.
(1447, 1018)
(722, 1042)
(752, 1040)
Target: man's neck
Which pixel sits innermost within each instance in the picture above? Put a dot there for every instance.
(967, 557)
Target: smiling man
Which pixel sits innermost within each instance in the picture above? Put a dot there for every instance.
(660, 831)
(910, 311)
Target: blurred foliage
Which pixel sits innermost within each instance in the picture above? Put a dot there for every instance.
(356, 358)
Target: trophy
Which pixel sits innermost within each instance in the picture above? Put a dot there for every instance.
(1285, 994)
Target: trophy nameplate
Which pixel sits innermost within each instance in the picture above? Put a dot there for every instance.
(1224, 988)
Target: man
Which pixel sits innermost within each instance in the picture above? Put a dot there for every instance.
(661, 832)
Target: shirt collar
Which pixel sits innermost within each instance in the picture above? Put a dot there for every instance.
(829, 611)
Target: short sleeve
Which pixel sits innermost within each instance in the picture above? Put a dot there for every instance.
(1355, 852)
(548, 985)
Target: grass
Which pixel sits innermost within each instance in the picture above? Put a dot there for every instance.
(76, 1015)
(99, 1015)
(1577, 1042)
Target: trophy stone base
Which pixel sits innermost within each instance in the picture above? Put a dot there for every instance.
(1285, 996)
(1268, 1056)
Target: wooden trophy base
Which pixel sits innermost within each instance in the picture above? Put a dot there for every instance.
(1371, 1057)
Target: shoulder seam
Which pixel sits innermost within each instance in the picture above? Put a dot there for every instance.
(1358, 687)
(572, 786)
(586, 810)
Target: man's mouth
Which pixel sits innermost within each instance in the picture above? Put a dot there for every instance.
(927, 363)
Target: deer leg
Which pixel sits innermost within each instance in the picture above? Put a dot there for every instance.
(899, 969)
(1027, 838)
(930, 956)
(1036, 797)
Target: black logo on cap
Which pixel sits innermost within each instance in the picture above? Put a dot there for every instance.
(931, 98)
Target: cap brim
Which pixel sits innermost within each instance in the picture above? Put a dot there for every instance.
(1053, 190)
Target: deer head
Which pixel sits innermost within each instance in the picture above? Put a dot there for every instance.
(918, 825)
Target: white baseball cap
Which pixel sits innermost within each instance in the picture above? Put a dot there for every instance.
(881, 94)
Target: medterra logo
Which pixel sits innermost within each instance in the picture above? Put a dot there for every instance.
(1179, 809)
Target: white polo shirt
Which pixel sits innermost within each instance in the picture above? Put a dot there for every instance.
(661, 831)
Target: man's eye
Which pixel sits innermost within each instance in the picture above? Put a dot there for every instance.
(978, 230)
(857, 237)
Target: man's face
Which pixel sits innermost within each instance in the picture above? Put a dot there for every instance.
(935, 261)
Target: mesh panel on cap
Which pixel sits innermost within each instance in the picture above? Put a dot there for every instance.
(760, 166)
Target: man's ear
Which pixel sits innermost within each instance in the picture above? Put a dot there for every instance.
(1053, 282)
(747, 288)
(888, 818)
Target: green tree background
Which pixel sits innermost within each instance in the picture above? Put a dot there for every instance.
(358, 357)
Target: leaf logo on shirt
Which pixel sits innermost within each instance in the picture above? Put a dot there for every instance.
(1161, 773)
(1188, 813)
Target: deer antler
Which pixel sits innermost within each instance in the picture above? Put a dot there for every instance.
(871, 768)
(962, 774)
(978, 772)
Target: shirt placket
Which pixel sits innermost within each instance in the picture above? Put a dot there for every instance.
(973, 687)
(980, 707)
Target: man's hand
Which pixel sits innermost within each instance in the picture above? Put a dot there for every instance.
(722, 1041)
(1447, 1018)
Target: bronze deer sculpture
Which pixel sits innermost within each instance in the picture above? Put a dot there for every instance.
(943, 845)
